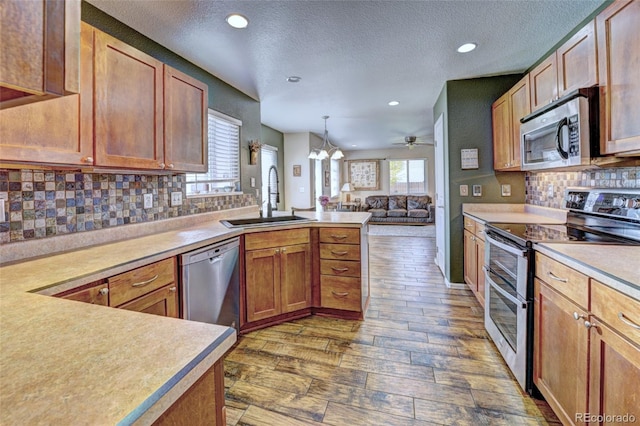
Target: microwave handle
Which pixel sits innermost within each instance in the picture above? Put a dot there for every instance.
(564, 122)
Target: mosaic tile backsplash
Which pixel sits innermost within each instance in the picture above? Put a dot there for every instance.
(547, 188)
(41, 204)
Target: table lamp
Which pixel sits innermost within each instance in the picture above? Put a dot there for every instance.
(347, 187)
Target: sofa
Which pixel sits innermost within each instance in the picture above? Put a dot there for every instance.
(400, 209)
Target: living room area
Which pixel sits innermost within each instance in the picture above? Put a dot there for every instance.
(395, 185)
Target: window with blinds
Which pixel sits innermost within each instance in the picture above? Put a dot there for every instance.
(223, 159)
(408, 176)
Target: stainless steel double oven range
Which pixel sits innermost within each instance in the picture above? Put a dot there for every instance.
(595, 216)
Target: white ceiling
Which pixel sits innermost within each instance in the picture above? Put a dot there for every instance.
(353, 56)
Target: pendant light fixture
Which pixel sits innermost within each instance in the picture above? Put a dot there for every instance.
(327, 149)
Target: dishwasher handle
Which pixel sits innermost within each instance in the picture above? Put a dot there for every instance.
(215, 251)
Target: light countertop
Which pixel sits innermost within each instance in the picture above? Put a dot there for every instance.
(514, 213)
(67, 362)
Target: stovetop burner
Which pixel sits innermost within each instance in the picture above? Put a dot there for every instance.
(597, 216)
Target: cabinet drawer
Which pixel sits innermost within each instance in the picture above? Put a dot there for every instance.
(96, 293)
(470, 225)
(269, 239)
(135, 283)
(340, 293)
(344, 268)
(340, 251)
(340, 235)
(480, 230)
(163, 302)
(618, 310)
(569, 282)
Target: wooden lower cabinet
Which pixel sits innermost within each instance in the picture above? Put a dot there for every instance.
(614, 376)
(163, 301)
(150, 289)
(474, 257)
(560, 356)
(201, 404)
(586, 360)
(278, 278)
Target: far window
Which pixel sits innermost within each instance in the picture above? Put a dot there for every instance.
(335, 178)
(224, 157)
(408, 176)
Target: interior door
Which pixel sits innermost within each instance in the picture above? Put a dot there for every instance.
(441, 229)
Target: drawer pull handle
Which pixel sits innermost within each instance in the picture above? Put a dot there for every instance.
(339, 269)
(557, 278)
(338, 237)
(627, 321)
(143, 283)
(339, 253)
(345, 294)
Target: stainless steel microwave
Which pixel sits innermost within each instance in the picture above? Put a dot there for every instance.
(562, 134)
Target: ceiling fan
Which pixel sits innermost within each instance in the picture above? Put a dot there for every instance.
(410, 142)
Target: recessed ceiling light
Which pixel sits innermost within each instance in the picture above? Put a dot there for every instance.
(394, 103)
(237, 21)
(354, 145)
(467, 47)
(294, 79)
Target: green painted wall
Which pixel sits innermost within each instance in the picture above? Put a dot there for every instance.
(222, 97)
(467, 124)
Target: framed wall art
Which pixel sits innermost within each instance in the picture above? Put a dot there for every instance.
(364, 175)
(297, 170)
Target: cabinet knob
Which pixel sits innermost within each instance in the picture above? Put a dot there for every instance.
(173, 289)
(162, 166)
(104, 291)
(88, 160)
(577, 316)
(284, 250)
(589, 324)
(171, 166)
(277, 251)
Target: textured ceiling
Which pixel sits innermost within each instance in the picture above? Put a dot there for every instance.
(353, 56)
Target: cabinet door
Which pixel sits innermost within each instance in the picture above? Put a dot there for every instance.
(480, 272)
(470, 260)
(560, 353)
(520, 103)
(263, 283)
(186, 103)
(295, 277)
(618, 59)
(127, 106)
(55, 131)
(614, 374)
(544, 83)
(577, 65)
(40, 48)
(163, 301)
(501, 122)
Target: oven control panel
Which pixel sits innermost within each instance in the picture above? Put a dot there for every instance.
(611, 202)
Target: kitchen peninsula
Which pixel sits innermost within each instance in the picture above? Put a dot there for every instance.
(63, 362)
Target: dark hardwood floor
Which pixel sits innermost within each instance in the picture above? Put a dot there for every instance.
(420, 357)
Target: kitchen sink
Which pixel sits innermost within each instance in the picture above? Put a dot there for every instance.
(264, 221)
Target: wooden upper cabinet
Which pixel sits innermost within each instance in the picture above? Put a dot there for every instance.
(185, 122)
(577, 61)
(54, 131)
(501, 123)
(128, 106)
(544, 83)
(618, 59)
(520, 104)
(39, 58)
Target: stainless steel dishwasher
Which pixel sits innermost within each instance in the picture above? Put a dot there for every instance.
(211, 284)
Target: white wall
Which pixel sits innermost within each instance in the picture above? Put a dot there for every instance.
(424, 151)
(298, 190)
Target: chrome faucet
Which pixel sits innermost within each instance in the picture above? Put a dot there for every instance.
(269, 193)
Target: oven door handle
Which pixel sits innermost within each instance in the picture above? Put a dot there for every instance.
(493, 285)
(506, 247)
